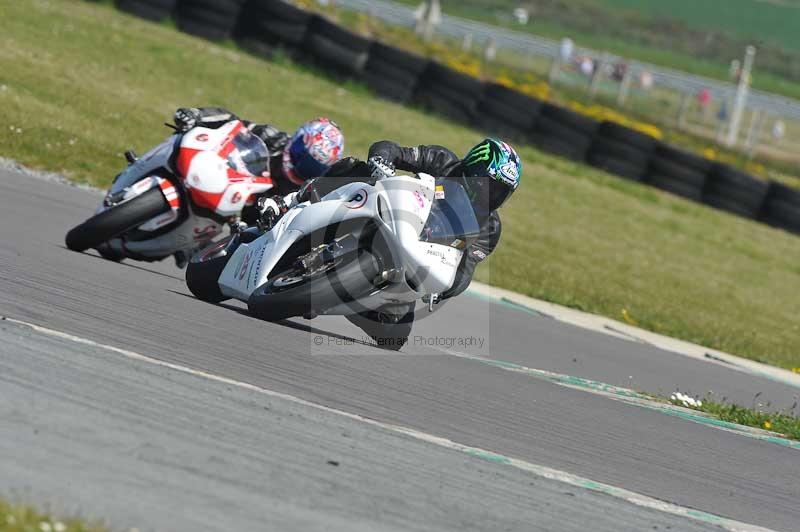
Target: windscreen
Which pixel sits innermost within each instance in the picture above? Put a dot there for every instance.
(250, 156)
(452, 217)
(149, 163)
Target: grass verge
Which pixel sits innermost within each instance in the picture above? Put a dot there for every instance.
(782, 422)
(21, 518)
(92, 82)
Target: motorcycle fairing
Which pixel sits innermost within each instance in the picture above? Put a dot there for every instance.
(215, 173)
(400, 205)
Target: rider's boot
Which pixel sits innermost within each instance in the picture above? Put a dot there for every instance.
(181, 258)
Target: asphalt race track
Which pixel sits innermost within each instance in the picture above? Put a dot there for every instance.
(91, 430)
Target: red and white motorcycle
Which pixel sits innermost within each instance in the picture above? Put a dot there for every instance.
(178, 196)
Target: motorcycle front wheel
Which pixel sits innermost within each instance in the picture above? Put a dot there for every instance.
(203, 271)
(294, 293)
(115, 221)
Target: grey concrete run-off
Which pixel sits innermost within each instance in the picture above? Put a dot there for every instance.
(146, 308)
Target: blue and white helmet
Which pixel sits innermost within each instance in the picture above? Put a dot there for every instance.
(498, 160)
(313, 149)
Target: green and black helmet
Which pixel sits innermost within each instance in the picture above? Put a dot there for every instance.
(497, 160)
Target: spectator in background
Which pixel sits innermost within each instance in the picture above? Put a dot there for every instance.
(778, 130)
(646, 80)
(618, 74)
(586, 65)
(704, 103)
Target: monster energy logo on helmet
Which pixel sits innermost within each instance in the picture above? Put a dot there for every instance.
(496, 159)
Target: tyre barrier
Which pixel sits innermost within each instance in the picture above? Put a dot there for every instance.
(155, 10)
(735, 191)
(393, 73)
(448, 92)
(263, 25)
(621, 151)
(214, 20)
(563, 132)
(782, 207)
(678, 171)
(502, 111)
(335, 49)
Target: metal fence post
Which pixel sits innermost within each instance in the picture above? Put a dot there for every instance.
(624, 87)
(754, 133)
(741, 97)
(683, 110)
(599, 68)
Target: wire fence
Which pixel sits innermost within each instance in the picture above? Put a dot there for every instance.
(527, 45)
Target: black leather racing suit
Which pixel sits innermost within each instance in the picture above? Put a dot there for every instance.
(438, 161)
(275, 139)
(391, 327)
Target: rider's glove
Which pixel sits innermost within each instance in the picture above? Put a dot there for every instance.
(186, 118)
(270, 211)
(380, 167)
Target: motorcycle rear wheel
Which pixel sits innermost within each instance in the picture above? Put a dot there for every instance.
(117, 220)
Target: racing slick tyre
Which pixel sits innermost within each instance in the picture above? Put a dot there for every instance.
(203, 271)
(112, 222)
(291, 293)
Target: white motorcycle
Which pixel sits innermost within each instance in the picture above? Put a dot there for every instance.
(178, 196)
(376, 245)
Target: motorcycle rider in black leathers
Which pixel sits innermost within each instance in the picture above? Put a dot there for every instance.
(390, 327)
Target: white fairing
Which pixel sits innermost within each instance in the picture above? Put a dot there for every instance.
(405, 203)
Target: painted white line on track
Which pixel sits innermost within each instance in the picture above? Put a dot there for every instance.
(535, 469)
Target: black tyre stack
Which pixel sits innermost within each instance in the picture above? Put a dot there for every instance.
(621, 151)
(214, 20)
(735, 191)
(505, 112)
(155, 10)
(449, 92)
(393, 73)
(336, 49)
(265, 25)
(678, 171)
(563, 132)
(782, 207)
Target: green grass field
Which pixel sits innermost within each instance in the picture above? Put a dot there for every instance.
(92, 82)
(775, 20)
(23, 518)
